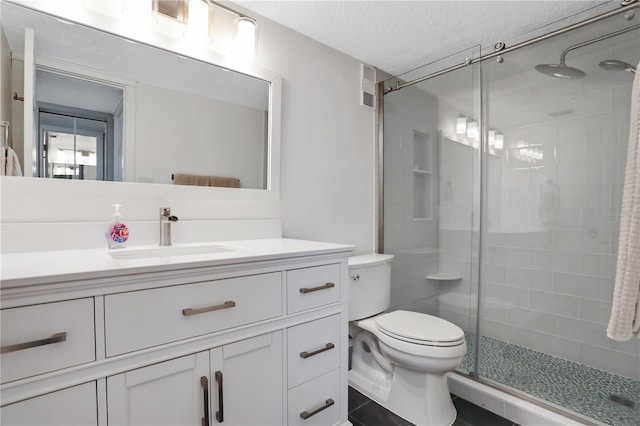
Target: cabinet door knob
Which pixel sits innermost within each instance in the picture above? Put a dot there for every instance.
(187, 312)
(204, 381)
(306, 414)
(56, 338)
(327, 347)
(305, 290)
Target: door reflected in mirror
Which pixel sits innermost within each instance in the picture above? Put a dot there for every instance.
(107, 108)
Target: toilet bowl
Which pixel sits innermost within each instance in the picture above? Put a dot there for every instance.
(400, 359)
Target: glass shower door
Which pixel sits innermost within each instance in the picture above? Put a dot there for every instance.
(431, 195)
(555, 157)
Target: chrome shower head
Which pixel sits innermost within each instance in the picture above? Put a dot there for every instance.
(616, 65)
(560, 70)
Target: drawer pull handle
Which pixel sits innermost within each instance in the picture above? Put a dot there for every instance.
(327, 347)
(306, 414)
(204, 381)
(187, 312)
(220, 412)
(305, 290)
(56, 338)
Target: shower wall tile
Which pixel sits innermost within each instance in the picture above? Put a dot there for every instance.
(505, 256)
(550, 260)
(595, 310)
(631, 347)
(508, 296)
(547, 343)
(404, 294)
(534, 279)
(609, 360)
(532, 320)
(585, 241)
(498, 330)
(601, 265)
(494, 274)
(495, 310)
(582, 285)
(580, 330)
(541, 240)
(554, 303)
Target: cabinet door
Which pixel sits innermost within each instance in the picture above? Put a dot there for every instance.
(75, 406)
(246, 381)
(167, 393)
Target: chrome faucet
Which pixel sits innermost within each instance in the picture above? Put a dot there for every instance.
(165, 225)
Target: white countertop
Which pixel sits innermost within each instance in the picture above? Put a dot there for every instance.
(24, 269)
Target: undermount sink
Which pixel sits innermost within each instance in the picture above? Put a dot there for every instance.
(178, 250)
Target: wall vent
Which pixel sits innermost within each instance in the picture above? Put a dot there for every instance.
(367, 86)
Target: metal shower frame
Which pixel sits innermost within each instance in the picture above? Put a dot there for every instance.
(500, 48)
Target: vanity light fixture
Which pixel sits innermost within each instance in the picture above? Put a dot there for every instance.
(473, 131)
(199, 19)
(461, 125)
(245, 37)
(492, 137)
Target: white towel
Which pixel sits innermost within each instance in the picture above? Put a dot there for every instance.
(624, 323)
(9, 163)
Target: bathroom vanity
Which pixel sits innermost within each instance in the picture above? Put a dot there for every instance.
(240, 333)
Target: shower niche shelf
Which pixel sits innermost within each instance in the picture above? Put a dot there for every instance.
(423, 179)
(443, 276)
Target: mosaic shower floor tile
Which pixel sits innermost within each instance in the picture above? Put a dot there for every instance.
(579, 388)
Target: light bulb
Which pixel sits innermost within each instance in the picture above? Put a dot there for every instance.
(245, 37)
(461, 125)
(472, 130)
(198, 21)
(499, 143)
(492, 137)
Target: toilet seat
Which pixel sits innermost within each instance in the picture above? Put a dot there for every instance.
(420, 329)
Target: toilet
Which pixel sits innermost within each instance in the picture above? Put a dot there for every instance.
(400, 359)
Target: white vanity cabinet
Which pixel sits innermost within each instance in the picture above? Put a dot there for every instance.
(236, 384)
(253, 340)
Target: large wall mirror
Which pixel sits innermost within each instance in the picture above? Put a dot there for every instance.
(106, 107)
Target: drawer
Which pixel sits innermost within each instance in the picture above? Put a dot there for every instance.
(313, 349)
(75, 406)
(141, 319)
(41, 338)
(317, 400)
(312, 287)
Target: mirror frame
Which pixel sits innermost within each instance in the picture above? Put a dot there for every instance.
(81, 15)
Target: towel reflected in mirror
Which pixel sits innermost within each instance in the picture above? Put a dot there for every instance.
(200, 180)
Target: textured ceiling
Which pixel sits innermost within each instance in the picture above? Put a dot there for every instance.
(398, 36)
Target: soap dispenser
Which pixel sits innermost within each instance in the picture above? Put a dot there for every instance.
(117, 233)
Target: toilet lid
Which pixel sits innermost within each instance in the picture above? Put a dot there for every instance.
(415, 327)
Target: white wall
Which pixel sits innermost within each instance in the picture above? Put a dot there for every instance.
(327, 140)
(327, 171)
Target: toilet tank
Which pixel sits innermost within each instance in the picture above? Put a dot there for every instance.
(369, 284)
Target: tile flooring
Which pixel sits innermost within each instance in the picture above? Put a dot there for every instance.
(580, 388)
(364, 412)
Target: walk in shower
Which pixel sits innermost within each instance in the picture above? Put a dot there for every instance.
(502, 187)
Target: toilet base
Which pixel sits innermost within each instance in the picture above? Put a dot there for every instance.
(419, 398)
